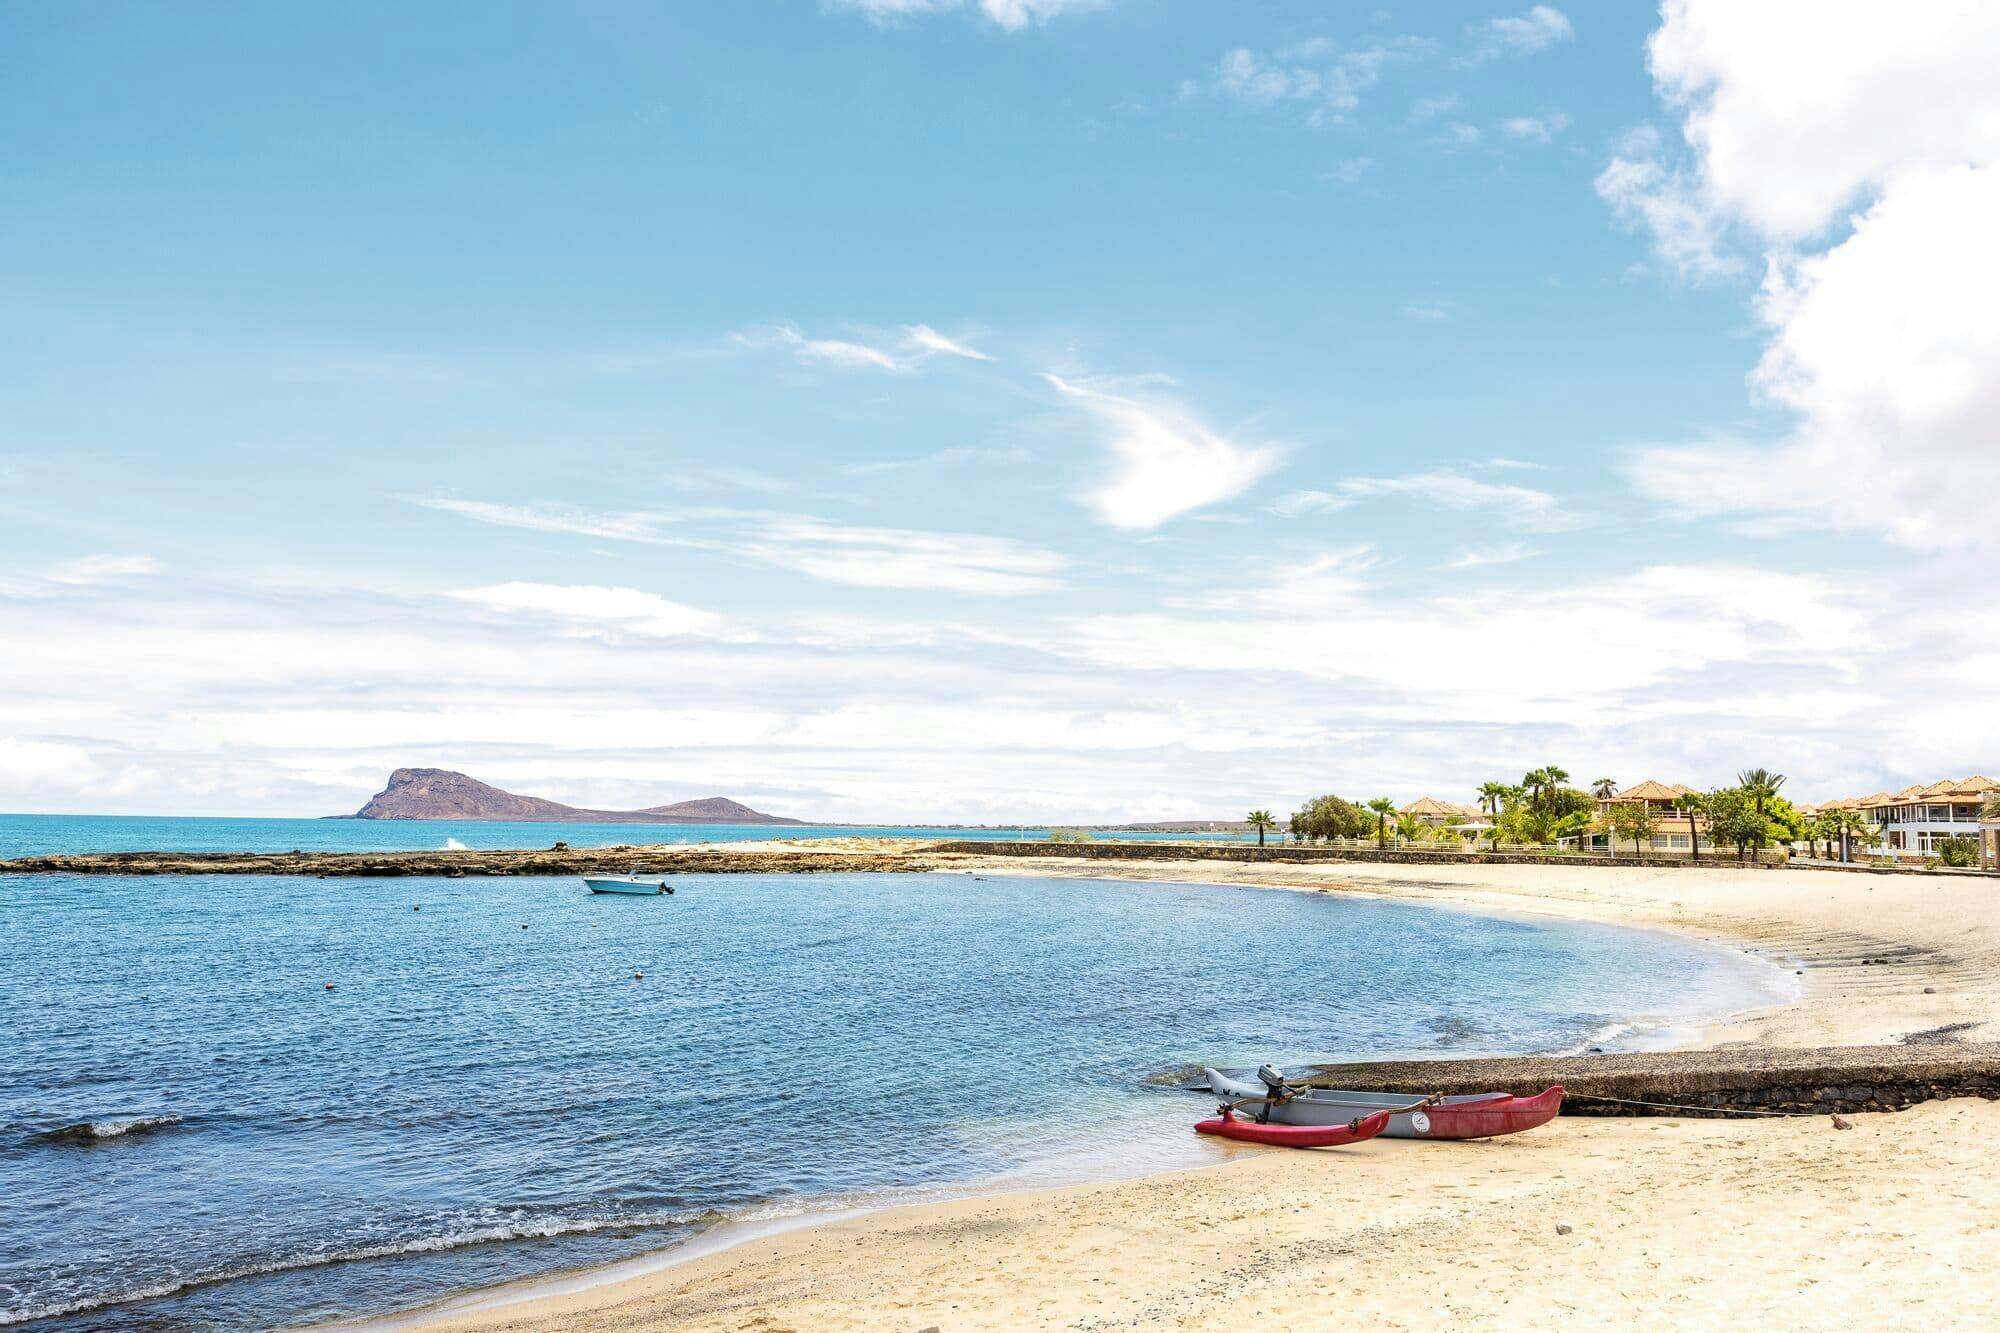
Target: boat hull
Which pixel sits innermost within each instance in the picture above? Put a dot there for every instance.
(1482, 1116)
(647, 887)
(1228, 1125)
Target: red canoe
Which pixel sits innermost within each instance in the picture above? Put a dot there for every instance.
(1228, 1126)
(1492, 1116)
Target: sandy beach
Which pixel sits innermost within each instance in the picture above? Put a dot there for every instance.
(1782, 1219)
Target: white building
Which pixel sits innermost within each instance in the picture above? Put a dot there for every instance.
(1912, 821)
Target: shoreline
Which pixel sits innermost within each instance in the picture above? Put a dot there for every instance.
(1816, 924)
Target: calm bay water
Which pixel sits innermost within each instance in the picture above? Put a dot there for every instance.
(42, 835)
(195, 1132)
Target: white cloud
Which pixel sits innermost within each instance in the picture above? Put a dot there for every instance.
(927, 339)
(1884, 342)
(1315, 72)
(1645, 194)
(1165, 461)
(1539, 129)
(1457, 134)
(962, 453)
(1525, 34)
(866, 557)
(1012, 15)
(1349, 171)
(104, 569)
(1430, 108)
(913, 345)
(624, 608)
(1427, 312)
(1484, 557)
(1517, 506)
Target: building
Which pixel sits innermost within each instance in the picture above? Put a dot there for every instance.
(1670, 827)
(1429, 810)
(1912, 821)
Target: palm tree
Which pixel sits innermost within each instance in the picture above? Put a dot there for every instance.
(1605, 788)
(1261, 820)
(1552, 778)
(1533, 781)
(1383, 808)
(1490, 796)
(1690, 804)
(1761, 784)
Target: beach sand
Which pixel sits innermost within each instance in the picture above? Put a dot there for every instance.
(1786, 1221)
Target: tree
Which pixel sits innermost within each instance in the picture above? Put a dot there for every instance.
(1733, 818)
(1328, 816)
(1632, 821)
(1411, 829)
(1760, 785)
(1848, 825)
(1957, 851)
(1605, 788)
(1491, 794)
(1261, 820)
(1383, 808)
(1692, 805)
(1552, 779)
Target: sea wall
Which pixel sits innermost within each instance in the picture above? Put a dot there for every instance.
(1229, 851)
(1706, 1083)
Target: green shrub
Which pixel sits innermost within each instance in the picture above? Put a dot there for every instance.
(1960, 851)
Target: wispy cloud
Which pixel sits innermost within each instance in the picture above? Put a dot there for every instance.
(1426, 109)
(1349, 171)
(626, 609)
(1165, 460)
(1538, 129)
(1485, 556)
(1517, 506)
(911, 347)
(1524, 34)
(1456, 134)
(1011, 15)
(1427, 312)
(964, 453)
(867, 557)
(92, 569)
(1316, 73)
(1665, 202)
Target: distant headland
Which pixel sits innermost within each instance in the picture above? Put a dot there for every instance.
(439, 793)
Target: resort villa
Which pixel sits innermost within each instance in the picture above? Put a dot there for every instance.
(1911, 822)
(1438, 814)
(1670, 827)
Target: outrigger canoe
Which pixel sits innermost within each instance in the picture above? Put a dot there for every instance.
(1229, 1125)
(1481, 1116)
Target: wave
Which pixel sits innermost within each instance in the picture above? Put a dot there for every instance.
(453, 845)
(100, 1131)
(492, 1234)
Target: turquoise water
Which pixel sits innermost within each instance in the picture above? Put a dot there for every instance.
(195, 1132)
(42, 835)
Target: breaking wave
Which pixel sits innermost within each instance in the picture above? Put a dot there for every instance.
(100, 1131)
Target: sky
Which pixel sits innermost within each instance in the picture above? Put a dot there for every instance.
(1038, 410)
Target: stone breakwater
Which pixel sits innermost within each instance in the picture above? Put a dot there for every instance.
(456, 864)
(1706, 1083)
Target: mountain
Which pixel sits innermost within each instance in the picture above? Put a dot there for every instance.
(439, 793)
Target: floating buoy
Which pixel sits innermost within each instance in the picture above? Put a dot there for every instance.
(524, 925)
(638, 976)
(417, 907)
(329, 985)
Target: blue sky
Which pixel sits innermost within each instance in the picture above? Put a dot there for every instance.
(1019, 409)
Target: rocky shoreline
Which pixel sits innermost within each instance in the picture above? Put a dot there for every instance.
(557, 860)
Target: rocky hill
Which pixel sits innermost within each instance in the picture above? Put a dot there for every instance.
(439, 793)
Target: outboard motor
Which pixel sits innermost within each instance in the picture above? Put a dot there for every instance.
(1275, 1087)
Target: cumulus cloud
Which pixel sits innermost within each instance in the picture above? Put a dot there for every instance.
(1165, 461)
(1522, 34)
(1883, 326)
(1648, 195)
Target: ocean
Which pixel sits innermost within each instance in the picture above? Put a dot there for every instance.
(509, 1077)
(43, 835)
